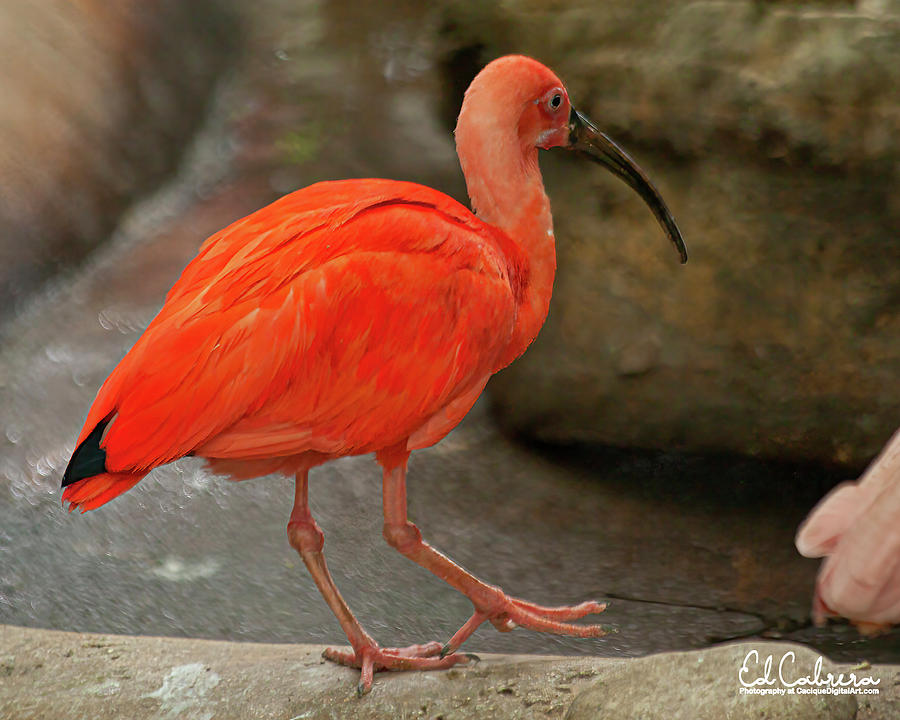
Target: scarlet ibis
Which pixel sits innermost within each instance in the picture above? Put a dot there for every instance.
(856, 528)
(354, 317)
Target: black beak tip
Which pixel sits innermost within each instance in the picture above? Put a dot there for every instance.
(585, 138)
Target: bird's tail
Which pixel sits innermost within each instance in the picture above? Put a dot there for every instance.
(87, 482)
(92, 492)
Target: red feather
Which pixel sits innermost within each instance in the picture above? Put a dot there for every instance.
(338, 320)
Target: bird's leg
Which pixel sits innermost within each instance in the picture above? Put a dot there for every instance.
(308, 540)
(490, 602)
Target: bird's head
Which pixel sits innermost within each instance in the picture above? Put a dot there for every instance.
(517, 92)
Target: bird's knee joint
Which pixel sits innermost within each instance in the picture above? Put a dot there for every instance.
(403, 538)
(305, 536)
(490, 600)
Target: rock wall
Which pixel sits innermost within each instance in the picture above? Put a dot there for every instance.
(773, 131)
(96, 109)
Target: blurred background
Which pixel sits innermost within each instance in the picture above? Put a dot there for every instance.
(658, 444)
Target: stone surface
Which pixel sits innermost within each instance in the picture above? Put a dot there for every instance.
(773, 131)
(96, 109)
(45, 674)
(704, 686)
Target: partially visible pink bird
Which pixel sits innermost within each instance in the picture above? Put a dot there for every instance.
(856, 527)
(354, 317)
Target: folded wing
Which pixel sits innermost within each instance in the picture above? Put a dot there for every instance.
(326, 322)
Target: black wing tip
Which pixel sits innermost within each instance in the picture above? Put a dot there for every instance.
(89, 458)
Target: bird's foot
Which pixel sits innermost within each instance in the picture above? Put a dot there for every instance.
(510, 612)
(371, 659)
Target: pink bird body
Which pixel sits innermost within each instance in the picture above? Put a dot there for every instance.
(353, 317)
(856, 527)
(346, 318)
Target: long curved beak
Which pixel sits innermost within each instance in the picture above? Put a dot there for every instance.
(585, 138)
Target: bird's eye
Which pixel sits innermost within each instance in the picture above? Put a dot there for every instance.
(555, 101)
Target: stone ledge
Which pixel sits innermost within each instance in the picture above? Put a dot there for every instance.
(48, 673)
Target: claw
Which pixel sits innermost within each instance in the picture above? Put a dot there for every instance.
(371, 659)
(368, 672)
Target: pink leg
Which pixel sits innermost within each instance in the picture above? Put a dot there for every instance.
(307, 539)
(490, 602)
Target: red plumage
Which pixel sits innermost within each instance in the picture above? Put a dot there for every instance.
(356, 317)
(338, 320)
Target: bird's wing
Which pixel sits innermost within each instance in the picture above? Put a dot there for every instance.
(325, 321)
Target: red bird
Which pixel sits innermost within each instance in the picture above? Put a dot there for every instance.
(354, 317)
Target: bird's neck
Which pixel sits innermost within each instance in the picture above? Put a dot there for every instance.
(508, 192)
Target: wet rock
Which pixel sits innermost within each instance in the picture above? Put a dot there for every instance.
(72, 675)
(773, 130)
(705, 685)
(56, 674)
(96, 109)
